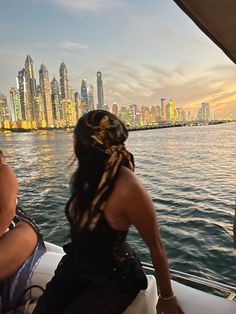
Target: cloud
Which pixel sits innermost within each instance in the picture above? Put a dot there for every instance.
(71, 45)
(87, 5)
(64, 45)
(128, 83)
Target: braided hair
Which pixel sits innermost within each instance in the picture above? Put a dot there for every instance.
(99, 138)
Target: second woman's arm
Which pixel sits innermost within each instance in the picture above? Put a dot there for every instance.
(140, 212)
(8, 194)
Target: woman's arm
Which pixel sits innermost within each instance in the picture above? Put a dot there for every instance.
(140, 212)
(8, 193)
(17, 244)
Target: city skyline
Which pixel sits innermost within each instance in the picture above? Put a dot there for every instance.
(55, 104)
(155, 52)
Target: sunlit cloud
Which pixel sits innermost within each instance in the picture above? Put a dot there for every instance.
(146, 85)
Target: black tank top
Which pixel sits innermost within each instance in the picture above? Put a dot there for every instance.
(104, 251)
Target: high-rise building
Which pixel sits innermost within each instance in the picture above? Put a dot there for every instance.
(72, 93)
(158, 113)
(77, 97)
(154, 114)
(41, 114)
(90, 97)
(100, 91)
(145, 115)
(180, 115)
(77, 105)
(70, 114)
(114, 109)
(163, 109)
(124, 113)
(21, 85)
(84, 96)
(30, 89)
(64, 82)
(4, 112)
(170, 111)
(204, 112)
(15, 104)
(46, 92)
(55, 100)
(132, 115)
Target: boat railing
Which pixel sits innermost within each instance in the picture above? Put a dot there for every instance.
(230, 290)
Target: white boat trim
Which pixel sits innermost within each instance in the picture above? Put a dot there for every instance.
(192, 301)
(202, 281)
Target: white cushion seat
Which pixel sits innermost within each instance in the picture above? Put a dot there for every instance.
(146, 300)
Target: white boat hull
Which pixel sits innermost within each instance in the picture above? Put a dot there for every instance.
(192, 301)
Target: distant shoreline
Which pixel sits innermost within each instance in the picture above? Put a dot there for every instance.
(130, 128)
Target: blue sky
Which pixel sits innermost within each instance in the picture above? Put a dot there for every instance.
(145, 49)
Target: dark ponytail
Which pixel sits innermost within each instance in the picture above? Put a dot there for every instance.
(85, 180)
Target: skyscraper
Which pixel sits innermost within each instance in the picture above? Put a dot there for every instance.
(84, 96)
(204, 112)
(100, 91)
(163, 109)
(154, 114)
(46, 92)
(90, 98)
(72, 93)
(77, 105)
(21, 85)
(180, 115)
(114, 109)
(4, 113)
(158, 113)
(15, 104)
(170, 111)
(30, 89)
(64, 82)
(41, 114)
(77, 97)
(70, 114)
(132, 114)
(56, 100)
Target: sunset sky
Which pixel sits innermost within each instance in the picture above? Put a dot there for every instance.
(146, 50)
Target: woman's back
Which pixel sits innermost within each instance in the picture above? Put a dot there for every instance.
(106, 199)
(104, 250)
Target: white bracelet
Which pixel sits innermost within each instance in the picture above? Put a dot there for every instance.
(169, 298)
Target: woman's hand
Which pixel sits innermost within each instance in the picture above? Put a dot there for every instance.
(168, 306)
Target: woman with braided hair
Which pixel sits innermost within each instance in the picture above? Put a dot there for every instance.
(100, 273)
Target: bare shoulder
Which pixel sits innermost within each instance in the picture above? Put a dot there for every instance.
(130, 188)
(7, 176)
(126, 174)
(135, 201)
(128, 182)
(6, 171)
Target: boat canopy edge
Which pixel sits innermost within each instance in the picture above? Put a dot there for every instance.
(216, 18)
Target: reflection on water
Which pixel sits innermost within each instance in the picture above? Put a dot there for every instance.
(189, 173)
